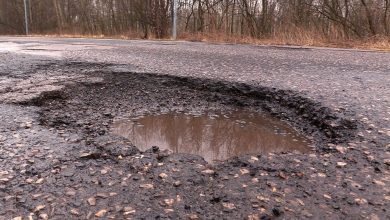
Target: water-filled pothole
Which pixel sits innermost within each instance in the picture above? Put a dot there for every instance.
(212, 136)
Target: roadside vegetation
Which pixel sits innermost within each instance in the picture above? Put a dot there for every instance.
(335, 23)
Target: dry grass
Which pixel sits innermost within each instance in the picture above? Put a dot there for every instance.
(378, 43)
(297, 37)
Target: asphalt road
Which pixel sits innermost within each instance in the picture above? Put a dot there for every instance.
(350, 79)
(352, 83)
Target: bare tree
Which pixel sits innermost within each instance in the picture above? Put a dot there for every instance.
(329, 19)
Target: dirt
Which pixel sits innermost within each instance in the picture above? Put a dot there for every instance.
(94, 174)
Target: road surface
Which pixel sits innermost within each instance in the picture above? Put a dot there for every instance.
(42, 175)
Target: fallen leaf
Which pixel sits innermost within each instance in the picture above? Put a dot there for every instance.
(44, 216)
(74, 212)
(70, 193)
(128, 210)
(146, 186)
(169, 202)
(360, 201)
(253, 159)
(163, 175)
(208, 171)
(3, 173)
(244, 171)
(90, 155)
(102, 195)
(39, 207)
(283, 175)
(228, 205)
(379, 182)
(340, 149)
(262, 198)
(193, 216)
(300, 202)
(341, 164)
(168, 210)
(253, 217)
(327, 196)
(39, 181)
(321, 175)
(278, 199)
(129, 213)
(35, 196)
(307, 214)
(92, 201)
(101, 213)
(4, 180)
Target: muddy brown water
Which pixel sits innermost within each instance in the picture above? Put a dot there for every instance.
(214, 136)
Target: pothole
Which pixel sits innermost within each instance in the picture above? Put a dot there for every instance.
(215, 136)
(97, 109)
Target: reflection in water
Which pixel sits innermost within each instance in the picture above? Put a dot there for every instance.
(212, 136)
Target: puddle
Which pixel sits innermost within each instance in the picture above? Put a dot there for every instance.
(212, 136)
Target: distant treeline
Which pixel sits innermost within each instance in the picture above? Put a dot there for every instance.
(258, 19)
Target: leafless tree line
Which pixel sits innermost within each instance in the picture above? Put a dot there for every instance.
(338, 19)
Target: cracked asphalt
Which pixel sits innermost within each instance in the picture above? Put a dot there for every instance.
(52, 168)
